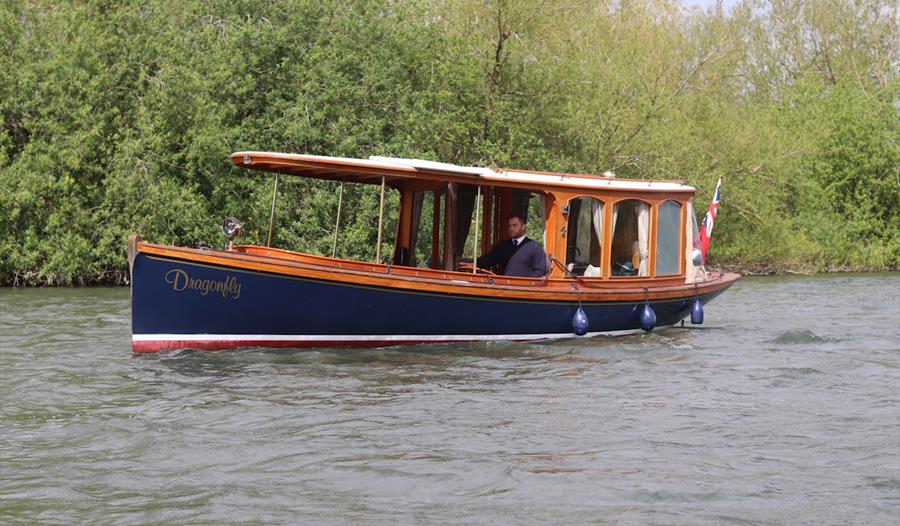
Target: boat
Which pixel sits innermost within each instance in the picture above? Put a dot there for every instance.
(621, 259)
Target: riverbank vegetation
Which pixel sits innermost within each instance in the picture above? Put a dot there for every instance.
(118, 117)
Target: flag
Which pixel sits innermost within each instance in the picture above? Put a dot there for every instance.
(706, 227)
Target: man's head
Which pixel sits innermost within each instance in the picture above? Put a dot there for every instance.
(515, 225)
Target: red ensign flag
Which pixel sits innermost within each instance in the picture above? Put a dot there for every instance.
(706, 227)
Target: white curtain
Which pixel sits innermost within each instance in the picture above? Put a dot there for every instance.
(615, 217)
(597, 212)
(643, 238)
(690, 271)
(691, 235)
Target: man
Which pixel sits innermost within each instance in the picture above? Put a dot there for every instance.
(518, 255)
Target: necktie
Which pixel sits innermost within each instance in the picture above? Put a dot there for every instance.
(515, 242)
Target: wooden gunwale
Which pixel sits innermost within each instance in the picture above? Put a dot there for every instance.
(443, 275)
(552, 290)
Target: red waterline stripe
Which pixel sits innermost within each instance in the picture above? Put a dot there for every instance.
(155, 346)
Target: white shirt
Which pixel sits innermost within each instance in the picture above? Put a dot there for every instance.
(518, 241)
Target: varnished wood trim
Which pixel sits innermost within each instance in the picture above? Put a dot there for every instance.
(439, 282)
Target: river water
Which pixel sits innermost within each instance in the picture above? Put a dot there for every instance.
(784, 408)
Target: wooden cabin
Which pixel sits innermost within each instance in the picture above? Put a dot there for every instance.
(596, 228)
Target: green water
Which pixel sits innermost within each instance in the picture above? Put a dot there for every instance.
(783, 409)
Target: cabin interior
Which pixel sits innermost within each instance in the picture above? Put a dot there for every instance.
(614, 236)
(449, 216)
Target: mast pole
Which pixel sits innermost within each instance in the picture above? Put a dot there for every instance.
(337, 222)
(272, 213)
(477, 229)
(380, 219)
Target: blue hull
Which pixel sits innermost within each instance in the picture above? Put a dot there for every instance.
(178, 304)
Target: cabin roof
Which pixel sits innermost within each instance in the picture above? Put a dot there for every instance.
(393, 169)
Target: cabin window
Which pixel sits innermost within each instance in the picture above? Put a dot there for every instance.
(668, 238)
(629, 253)
(422, 228)
(531, 205)
(459, 220)
(583, 235)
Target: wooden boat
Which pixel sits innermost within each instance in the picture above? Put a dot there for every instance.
(592, 227)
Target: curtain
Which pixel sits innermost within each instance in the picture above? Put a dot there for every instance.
(615, 217)
(691, 241)
(597, 212)
(450, 257)
(465, 206)
(690, 271)
(643, 237)
(418, 199)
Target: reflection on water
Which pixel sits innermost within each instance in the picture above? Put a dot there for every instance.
(784, 408)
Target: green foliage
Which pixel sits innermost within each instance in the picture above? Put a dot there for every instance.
(853, 214)
(119, 117)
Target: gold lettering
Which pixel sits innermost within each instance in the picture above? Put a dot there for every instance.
(236, 285)
(180, 281)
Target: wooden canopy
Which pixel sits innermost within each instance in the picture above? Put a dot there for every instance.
(395, 170)
(352, 170)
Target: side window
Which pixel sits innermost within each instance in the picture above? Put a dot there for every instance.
(668, 238)
(583, 236)
(631, 227)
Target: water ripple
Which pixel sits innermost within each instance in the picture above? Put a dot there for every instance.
(775, 412)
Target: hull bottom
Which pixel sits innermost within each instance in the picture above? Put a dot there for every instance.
(153, 343)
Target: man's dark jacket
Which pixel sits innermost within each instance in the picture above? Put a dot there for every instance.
(527, 259)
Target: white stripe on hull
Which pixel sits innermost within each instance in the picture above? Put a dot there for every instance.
(262, 338)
